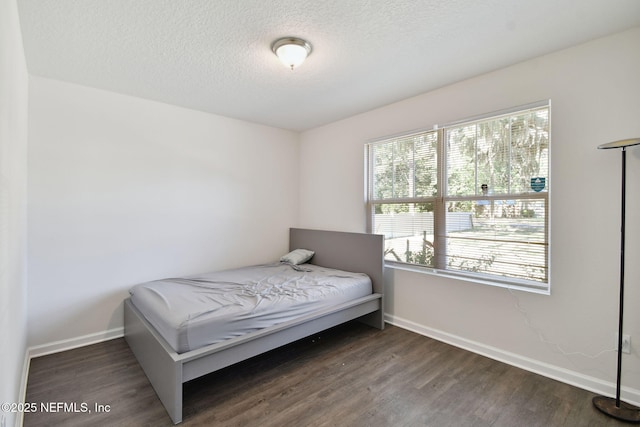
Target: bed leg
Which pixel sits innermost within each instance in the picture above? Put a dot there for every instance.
(164, 373)
(374, 319)
(173, 402)
(169, 391)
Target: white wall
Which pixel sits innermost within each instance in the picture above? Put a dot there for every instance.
(13, 213)
(594, 93)
(124, 190)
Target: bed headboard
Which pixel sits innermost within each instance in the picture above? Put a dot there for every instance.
(357, 252)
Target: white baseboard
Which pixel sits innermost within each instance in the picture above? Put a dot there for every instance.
(71, 343)
(566, 376)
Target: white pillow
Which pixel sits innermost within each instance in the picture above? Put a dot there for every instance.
(298, 256)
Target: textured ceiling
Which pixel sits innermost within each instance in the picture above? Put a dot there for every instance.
(214, 55)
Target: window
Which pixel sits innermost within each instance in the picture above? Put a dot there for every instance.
(470, 199)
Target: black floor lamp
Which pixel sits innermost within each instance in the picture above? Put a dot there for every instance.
(614, 407)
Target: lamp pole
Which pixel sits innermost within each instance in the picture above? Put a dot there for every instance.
(615, 407)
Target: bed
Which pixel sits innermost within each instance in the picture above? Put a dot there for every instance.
(168, 363)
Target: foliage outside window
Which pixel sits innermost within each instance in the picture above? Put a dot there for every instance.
(469, 199)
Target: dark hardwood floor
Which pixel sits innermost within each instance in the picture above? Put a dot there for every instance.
(352, 375)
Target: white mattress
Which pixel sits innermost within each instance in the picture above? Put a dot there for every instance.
(196, 311)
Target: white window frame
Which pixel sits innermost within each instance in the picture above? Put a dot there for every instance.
(441, 199)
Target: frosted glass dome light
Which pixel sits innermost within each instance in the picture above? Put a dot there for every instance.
(292, 51)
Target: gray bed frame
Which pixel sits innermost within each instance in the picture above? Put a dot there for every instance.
(168, 370)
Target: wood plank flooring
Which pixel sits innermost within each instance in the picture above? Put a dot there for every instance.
(352, 375)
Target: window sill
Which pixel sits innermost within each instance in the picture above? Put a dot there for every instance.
(512, 285)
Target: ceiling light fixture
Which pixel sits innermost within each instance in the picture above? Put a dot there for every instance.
(292, 51)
